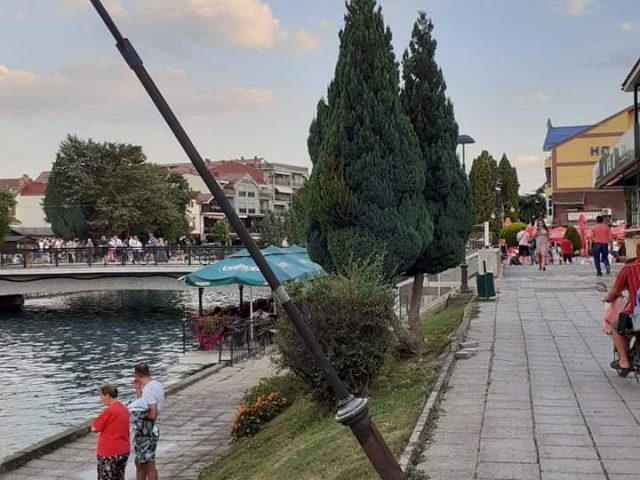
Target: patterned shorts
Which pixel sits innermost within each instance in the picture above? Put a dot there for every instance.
(145, 441)
(112, 468)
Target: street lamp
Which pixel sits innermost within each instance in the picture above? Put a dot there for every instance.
(465, 140)
(464, 268)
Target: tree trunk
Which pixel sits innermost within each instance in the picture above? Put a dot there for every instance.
(415, 334)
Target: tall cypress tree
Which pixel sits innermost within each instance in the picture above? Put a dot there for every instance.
(509, 186)
(365, 190)
(446, 189)
(482, 180)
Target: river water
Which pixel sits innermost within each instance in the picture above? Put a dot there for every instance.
(57, 351)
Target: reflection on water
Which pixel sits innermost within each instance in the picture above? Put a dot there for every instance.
(56, 351)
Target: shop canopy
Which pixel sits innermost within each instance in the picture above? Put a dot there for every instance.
(240, 269)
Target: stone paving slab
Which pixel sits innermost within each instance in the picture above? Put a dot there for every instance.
(539, 400)
(194, 431)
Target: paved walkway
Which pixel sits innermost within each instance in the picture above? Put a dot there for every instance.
(539, 400)
(194, 430)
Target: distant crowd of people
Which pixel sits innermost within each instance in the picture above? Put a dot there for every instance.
(536, 248)
(113, 249)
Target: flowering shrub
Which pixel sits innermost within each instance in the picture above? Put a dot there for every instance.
(252, 416)
(208, 331)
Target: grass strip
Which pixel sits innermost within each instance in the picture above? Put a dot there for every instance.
(305, 442)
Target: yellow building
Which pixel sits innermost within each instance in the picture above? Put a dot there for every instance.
(573, 152)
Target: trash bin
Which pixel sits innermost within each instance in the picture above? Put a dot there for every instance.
(484, 282)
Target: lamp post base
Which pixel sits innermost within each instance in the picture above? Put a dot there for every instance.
(464, 278)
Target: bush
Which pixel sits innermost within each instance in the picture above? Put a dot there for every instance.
(286, 385)
(351, 315)
(251, 417)
(572, 235)
(510, 233)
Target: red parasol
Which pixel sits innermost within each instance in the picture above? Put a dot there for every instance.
(619, 231)
(582, 230)
(557, 234)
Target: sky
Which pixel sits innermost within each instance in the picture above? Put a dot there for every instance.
(244, 76)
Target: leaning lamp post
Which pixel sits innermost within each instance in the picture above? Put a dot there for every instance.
(464, 268)
(353, 412)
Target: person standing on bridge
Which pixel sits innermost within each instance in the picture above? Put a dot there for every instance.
(147, 432)
(112, 427)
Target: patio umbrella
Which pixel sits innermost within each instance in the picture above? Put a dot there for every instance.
(295, 255)
(557, 234)
(241, 271)
(582, 230)
(530, 229)
(619, 231)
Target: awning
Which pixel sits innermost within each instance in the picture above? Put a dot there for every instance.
(283, 189)
(568, 198)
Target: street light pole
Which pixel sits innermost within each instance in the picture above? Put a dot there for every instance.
(464, 268)
(353, 412)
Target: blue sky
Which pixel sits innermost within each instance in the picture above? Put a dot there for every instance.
(245, 75)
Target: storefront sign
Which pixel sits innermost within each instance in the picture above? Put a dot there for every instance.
(575, 216)
(615, 158)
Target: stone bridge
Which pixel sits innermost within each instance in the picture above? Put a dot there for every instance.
(49, 280)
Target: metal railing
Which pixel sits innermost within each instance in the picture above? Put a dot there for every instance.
(122, 256)
(434, 287)
(239, 339)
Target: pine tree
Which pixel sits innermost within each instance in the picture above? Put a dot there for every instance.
(7, 203)
(446, 189)
(509, 186)
(365, 190)
(482, 181)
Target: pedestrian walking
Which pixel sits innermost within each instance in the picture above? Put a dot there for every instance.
(541, 237)
(112, 427)
(147, 431)
(523, 245)
(600, 242)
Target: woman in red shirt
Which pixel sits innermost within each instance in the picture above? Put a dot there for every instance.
(112, 427)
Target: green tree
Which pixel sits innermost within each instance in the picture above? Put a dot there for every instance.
(295, 219)
(509, 198)
(7, 203)
(446, 189)
(574, 237)
(109, 188)
(272, 229)
(365, 190)
(482, 180)
(532, 207)
(221, 232)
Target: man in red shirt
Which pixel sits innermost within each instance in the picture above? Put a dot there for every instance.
(601, 239)
(628, 279)
(113, 440)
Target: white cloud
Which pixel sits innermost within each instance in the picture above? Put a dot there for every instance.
(532, 98)
(305, 42)
(208, 23)
(524, 160)
(111, 93)
(626, 27)
(578, 8)
(326, 24)
(69, 7)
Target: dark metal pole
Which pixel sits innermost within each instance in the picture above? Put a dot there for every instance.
(352, 412)
(200, 306)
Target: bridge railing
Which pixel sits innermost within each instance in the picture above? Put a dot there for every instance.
(122, 256)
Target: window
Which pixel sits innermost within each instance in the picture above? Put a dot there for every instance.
(243, 210)
(242, 193)
(251, 194)
(252, 210)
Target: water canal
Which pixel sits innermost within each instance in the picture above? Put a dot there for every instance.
(56, 351)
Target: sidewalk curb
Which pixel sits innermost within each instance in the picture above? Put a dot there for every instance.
(412, 448)
(54, 442)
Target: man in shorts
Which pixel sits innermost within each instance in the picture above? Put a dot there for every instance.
(523, 246)
(146, 428)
